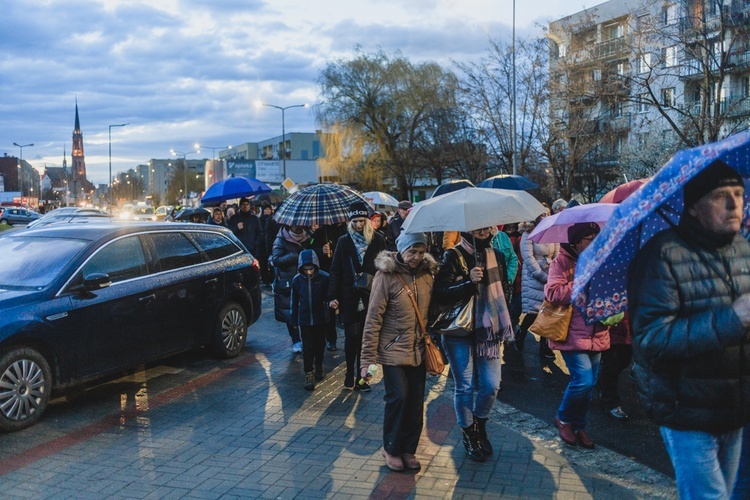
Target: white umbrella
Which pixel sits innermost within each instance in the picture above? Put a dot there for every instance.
(472, 208)
(381, 198)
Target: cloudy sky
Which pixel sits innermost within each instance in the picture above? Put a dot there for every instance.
(181, 72)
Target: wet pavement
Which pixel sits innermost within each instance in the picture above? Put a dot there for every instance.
(195, 427)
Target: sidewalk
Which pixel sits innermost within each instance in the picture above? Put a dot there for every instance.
(248, 429)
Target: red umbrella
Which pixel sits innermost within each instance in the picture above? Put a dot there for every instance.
(618, 194)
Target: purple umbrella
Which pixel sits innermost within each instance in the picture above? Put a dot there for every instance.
(554, 229)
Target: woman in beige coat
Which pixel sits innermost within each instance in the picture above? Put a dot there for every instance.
(393, 338)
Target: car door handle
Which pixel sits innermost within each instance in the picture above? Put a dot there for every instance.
(212, 280)
(147, 298)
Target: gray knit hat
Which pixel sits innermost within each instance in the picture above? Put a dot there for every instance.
(406, 240)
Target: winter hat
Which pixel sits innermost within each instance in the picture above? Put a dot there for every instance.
(404, 205)
(717, 174)
(580, 230)
(358, 209)
(406, 240)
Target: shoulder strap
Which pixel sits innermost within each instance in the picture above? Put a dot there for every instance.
(413, 303)
(461, 259)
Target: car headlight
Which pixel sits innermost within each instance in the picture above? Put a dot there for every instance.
(124, 216)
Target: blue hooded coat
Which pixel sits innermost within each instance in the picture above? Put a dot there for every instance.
(309, 306)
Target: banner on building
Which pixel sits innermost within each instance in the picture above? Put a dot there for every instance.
(266, 171)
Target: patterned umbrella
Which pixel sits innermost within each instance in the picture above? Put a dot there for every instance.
(320, 204)
(600, 285)
(234, 187)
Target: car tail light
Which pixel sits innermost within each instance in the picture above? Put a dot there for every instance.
(256, 264)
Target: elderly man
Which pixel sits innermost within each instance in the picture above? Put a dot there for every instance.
(689, 292)
(393, 229)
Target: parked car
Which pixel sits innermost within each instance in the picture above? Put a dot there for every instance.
(70, 214)
(162, 211)
(82, 301)
(143, 213)
(14, 215)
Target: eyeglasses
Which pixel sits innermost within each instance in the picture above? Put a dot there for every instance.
(483, 230)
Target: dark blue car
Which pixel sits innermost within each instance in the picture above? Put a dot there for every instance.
(81, 301)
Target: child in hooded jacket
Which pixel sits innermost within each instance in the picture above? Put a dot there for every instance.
(310, 313)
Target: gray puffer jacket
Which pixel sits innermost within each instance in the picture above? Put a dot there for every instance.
(536, 260)
(692, 359)
(391, 328)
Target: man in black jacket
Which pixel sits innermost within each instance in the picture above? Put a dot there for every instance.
(393, 229)
(689, 298)
(246, 226)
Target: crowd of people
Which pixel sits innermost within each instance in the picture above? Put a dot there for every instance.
(683, 338)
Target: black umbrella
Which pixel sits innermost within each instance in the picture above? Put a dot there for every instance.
(505, 181)
(273, 197)
(186, 214)
(451, 186)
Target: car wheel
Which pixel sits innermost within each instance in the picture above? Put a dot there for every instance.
(25, 386)
(230, 331)
(4, 222)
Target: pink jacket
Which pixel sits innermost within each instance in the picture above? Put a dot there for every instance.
(559, 291)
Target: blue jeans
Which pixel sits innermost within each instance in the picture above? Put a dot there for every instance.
(742, 483)
(471, 374)
(705, 464)
(584, 369)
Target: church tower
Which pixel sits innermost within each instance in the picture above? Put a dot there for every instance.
(79, 163)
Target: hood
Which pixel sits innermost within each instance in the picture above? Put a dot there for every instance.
(388, 262)
(308, 257)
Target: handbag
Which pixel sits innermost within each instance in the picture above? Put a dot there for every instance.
(362, 281)
(433, 358)
(552, 322)
(456, 320)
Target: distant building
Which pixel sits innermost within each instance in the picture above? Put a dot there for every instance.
(81, 189)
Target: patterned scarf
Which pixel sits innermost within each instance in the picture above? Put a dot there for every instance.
(294, 237)
(492, 320)
(359, 243)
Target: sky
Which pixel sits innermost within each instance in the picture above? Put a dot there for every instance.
(181, 72)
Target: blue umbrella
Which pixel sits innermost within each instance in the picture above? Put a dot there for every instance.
(506, 181)
(234, 187)
(450, 186)
(600, 286)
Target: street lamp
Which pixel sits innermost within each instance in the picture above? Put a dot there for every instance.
(180, 154)
(213, 149)
(20, 161)
(109, 188)
(283, 131)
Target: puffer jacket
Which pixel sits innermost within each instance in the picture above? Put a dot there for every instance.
(559, 291)
(536, 259)
(308, 301)
(692, 361)
(392, 328)
(284, 257)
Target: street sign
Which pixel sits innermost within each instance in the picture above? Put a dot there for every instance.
(288, 183)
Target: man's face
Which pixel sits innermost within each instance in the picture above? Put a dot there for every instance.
(720, 211)
(267, 211)
(402, 212)
(245, 207)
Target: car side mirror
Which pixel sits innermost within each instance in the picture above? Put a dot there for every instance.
(92, 282)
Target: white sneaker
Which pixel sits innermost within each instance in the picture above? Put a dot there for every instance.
(297, 347)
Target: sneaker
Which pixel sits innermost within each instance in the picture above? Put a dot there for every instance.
(309, 381)
(319, 375)
(297, 347)
(331, 346)
(618, 413)
(363, 386)
(349, 382)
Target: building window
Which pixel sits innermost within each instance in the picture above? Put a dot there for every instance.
(596, 75)
(642, 103)
(670, 56)
(562, 50)
(621, 68)
(745, 89)
(670, 14)
(643, 63)
(668, 97)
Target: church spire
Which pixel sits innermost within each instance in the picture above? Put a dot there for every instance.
(77, 128)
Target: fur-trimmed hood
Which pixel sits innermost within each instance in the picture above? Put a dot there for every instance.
(386, 261)
(527, 226)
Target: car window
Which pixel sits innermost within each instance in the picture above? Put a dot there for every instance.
(122, 260)
(35, 262)
(215, 246)
(173, 251)
(144, 211)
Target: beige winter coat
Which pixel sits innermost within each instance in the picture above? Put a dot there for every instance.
(391, 328)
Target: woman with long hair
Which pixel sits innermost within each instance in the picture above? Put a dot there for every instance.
(354, 255)
(473, 267)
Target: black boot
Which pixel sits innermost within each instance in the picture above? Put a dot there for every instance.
(471, 443)
(480, 425)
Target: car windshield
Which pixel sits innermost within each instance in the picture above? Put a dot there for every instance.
(34, 262)
(144, 211)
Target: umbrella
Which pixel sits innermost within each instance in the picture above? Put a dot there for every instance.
(381, 198)
(472, 208)
(600, 286)
(554, 229)
(187, 213)
(450, 186)
(320, 204)
(618, 194)
(234, 187)
(272, 197)
(505, 181)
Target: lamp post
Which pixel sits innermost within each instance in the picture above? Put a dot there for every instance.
(514, 156)
(283, 132)
(183, 156)
(109, 183)
(213, 149)
(20, 161)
